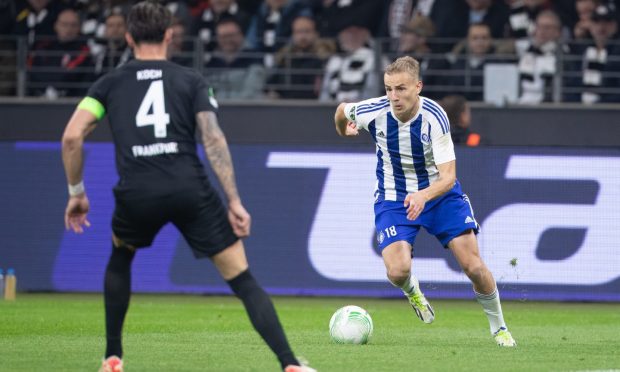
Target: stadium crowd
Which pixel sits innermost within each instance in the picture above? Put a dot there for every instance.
(330, 50)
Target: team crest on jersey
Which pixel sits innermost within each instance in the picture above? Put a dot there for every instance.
(352, 113)
(425, 138)
(380, 237)
(212, 99)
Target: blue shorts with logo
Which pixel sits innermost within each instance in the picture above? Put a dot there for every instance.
(446, 218)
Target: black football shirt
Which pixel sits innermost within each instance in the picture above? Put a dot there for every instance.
(151, 107)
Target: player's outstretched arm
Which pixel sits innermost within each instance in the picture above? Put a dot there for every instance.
(217, 151)
(344, 126)
(79, 126)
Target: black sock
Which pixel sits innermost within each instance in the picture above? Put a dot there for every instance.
(263, 316)
(117, 288)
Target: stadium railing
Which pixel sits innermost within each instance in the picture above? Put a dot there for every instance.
(17, 71)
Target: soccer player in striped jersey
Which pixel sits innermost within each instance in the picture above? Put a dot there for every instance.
(417, 187)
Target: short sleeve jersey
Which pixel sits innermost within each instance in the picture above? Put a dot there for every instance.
(151, 107)
(407, 152)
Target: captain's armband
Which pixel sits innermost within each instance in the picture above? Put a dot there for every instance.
(93, 106)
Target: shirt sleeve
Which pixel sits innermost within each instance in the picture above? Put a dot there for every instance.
(362, 113)
(443, 149)
(96, 98)
(204, 99)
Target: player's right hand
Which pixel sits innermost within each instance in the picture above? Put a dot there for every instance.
(76, 213)
(351, 129)
(239, 218)
(415, 205)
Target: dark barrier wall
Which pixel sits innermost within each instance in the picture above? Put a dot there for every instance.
(549, 223)
(312, 123)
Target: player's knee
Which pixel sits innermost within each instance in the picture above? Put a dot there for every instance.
(475, 270)
(120, 260)
(398, 274)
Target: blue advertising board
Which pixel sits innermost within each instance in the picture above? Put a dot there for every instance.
(550, 220)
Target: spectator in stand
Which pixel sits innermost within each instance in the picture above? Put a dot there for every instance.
(271, 26)
(522, 19)
(217, 11)
(601, 59)
(234, 72)
(334, 16)
(396, 17)
(490, 12)
(299, 65)
(111, 51)
(565, 9)
(452, 19)
(351, 75)
(538, 60)
(36, 18)
(178, 47)
(585, 9)
(449, 20)
(413, 41)
(94, 15)
(459, 115)
(466, 62)
(61, 66)
(180, 10)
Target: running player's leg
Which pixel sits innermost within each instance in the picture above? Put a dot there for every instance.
(397, 260)
(135, 224)
(233, 266)
(465, 250)
(116, 294)
(395, 235)
(202, 219)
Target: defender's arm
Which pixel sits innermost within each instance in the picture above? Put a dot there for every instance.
(217, 151)
(82, 122)
(216, 148)
(80, 125)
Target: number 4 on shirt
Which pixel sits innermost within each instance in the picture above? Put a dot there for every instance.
(154, 103)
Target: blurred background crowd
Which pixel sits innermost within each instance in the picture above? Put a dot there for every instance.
(554, 50)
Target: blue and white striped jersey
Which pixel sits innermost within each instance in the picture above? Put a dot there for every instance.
(407, 153)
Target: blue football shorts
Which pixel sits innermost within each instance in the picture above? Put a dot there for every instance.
(446, 218)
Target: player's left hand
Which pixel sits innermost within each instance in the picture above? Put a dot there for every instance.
(415, 205)
(351, 129)
(239, 218)
(76, 213)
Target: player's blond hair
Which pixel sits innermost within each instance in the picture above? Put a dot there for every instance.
(404, 64)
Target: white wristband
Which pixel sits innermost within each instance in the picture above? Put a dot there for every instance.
(75, 190)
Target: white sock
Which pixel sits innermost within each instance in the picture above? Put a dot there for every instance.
(493, 309)
(410, 285)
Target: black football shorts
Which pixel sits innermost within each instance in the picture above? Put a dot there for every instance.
(196, 211)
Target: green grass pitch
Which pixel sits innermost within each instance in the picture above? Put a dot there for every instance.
(64, 332)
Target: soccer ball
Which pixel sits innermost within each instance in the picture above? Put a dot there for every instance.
(350, 325)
